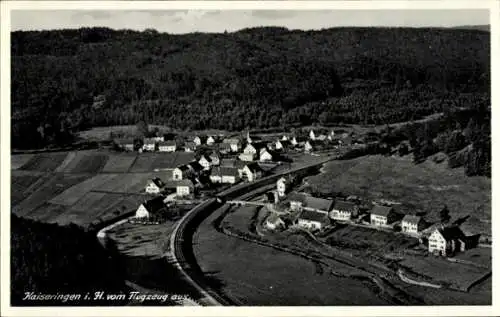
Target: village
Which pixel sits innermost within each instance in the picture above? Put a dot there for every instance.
(223, 162)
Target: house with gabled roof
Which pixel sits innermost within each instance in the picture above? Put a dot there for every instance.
(125, 144)
(284, 185)
(297, 140)
(265, 155)
(167, 146)
(149, 207)
(181, 172)
(211, 140)
(312, 220)
(200, 139)
(185, 187)
(313, 145)
(225, 175)
(382, 215)
(234, 143)
(316, 204)
(446, 241)
(195, 167)
(205, 161)
(343, 210)
(215, 159)
(224, 148)
(189, 146)
(252, 171)
(312, 135)
(155, 186)
(149, 145)
(412, 224)
(282, 145)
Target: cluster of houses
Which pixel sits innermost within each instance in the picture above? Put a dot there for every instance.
(315, 213)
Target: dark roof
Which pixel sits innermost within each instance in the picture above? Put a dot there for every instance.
(167, 143)
(284, 142)
(344, 205)
(203, 138)
(313, 216)
(412, 219)
(154, 205)
(254, 167)
(450, 233)
(206, 158)
(183, 168)
(190, 144)
(149, 140)
(158, 182)
(231, 140)
(225, 146)
(124, 141)
(318, 203)
(195, 166)
(294, 196)
(225, 171)
(184, 182)
(381, 210)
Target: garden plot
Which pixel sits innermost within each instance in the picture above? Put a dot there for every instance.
(69, 158)
(86, 162)
(183, 158)
(119, 163)
(47, 212)
(126, 183)
(18, 160)
(46, 162)
(18, 186)
(74, 193)
(48, 189)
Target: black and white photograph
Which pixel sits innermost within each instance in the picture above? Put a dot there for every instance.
(202, 155)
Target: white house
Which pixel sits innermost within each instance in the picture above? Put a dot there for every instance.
(149, 145)
(250, 149)
(235, 144)
(274, 222)
(343, 210)
(412, 224)
(382, 216)
(265, 156)
(282, 145)
(199, 140)
(285, 137)
(205, 161)
(211, 140)
(215, 159)
(283, 186)
(167, 146)
(189, 147)
(446, 241)
(311, 146)
(247, 157)
(226, 175)
(181, 172)
(154, 186)
(296, 201)
(225, 148)
(149, 207)
(184, 187)
(158, 139)
(252, 172)
(312, 135)
(312, 220)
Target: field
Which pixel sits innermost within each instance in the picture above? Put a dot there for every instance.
(426, 187)
(18, 186)
(148, 162)
(443, 271)
(85, 162)
(46, 162)
(369, 240)
(74, 193)
(119, 162)
(18, 160)
(50, 188)
(142, 240)
(272, 277)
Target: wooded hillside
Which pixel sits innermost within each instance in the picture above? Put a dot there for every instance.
(259, 77)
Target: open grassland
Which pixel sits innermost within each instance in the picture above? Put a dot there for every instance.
(477, 256)
(19, 185)
(142, 240)
(74, 193)
(46, 162)
(272, 277)
(147, 162)
(425, 187)
(131, 182)
(86, 162)
(50, 188)
(18, 160)
(119, 162)
(445, 272)
(369, 240)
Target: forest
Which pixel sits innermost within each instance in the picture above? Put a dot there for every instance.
(51, 259)
(64, 81)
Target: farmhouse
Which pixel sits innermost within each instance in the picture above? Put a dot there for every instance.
(284, 185)
(343, 210)
(247, 157)
(215, 159)
(282, 145)
(149, 145)
(167, 146)
(412, 224)
(226, 175)
(224, 148)
(155, 186)
(382, 216)
(189, 146)
(150, 207)
(234, 143)
(181, 172)
(252, 172)
(285, 137)
(312, 220)
(446, 241)
(126, 144)
(296, 201)
(297, 141)
(265, 155)
(200, 139)
(318, 205)
(274, 222)
(205, 161)
(184, 187)
(311, 146)
(312, 135)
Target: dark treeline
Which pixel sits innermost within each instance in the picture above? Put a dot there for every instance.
(69, 80)
(50, 259)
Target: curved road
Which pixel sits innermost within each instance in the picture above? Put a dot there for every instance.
(177, 254)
